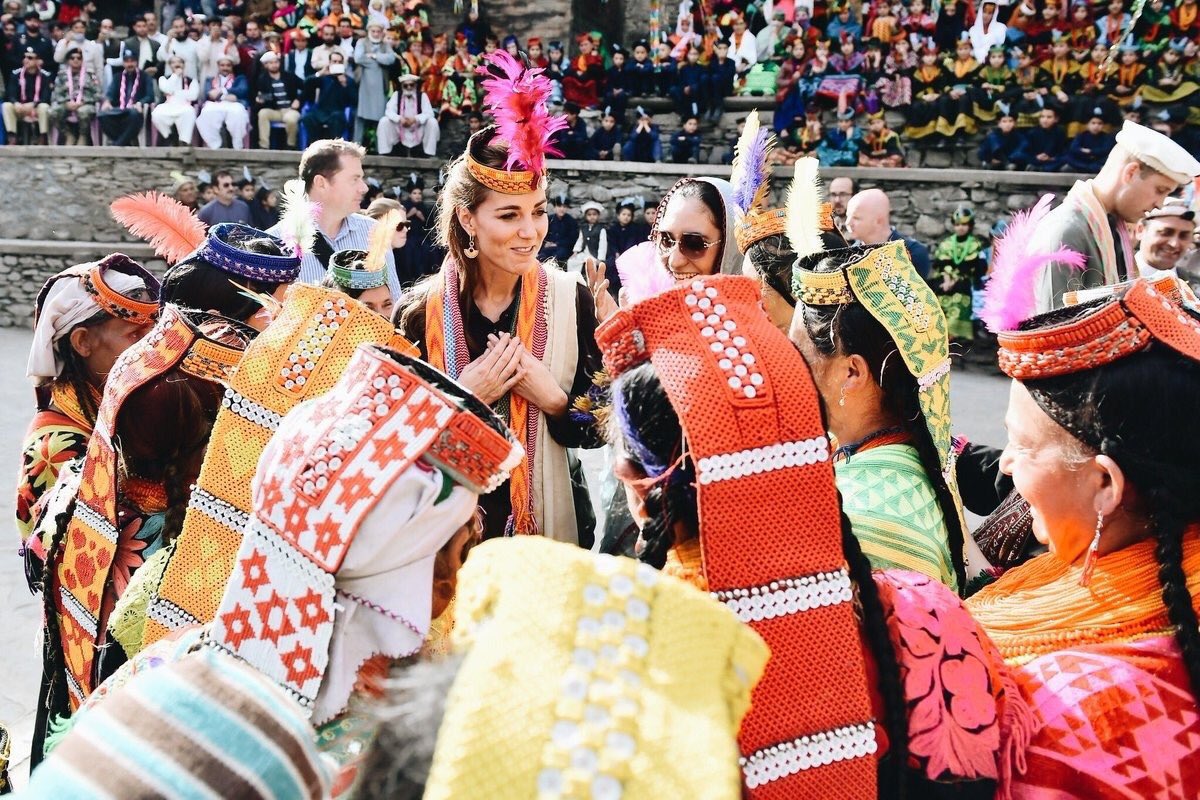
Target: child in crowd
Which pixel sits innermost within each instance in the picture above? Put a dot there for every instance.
(606, 139)
(957, 264)
(1002, 143)
(881, 146)
(1045, 145)
(685, 145)
(1090, 148)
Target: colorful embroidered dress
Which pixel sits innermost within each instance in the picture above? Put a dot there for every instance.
(58, 434)
(957, 265)
(894, 511)
(1100, 667)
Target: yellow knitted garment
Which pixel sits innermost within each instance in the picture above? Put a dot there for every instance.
(590, 676)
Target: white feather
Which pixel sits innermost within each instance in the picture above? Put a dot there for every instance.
(804, 209)
(298, 217)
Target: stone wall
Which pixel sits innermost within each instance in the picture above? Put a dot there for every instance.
(56, 209)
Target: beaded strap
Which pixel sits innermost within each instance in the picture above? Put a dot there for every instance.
(498, 180)
(113, 302)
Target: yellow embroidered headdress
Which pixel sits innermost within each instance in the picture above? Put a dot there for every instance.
(516, 96)
(590, 676)
(887, 284)
(300, 355)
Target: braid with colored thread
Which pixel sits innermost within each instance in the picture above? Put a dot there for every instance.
(1178, 600)
(874, 622)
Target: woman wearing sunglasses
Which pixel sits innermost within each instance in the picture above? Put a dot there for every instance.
(516, 334)
(695, 223)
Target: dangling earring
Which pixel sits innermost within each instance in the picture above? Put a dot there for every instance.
(471, 251)
(1089, 561)
(842, 398)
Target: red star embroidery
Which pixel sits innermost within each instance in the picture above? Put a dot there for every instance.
(272, 492)
(254, 571)
(293, 450)
(328, 536)
(312, 612)
(388, 451)
(423, 414)
(299, 665)
(238, 627)
(355, 488)
(294, 517)
(266, 610)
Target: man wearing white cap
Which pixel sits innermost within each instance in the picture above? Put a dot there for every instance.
(1164, 237)
(279, 95)
(408, 120)
(1094, 219)
(227, 106)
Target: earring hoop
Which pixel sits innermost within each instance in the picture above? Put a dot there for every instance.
(1089, 561)
(471, 251)
(842, 397)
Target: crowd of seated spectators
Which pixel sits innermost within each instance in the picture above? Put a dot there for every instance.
(1033, 85)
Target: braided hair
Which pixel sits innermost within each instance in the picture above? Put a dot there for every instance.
(644, 423)
(850, 329)
(1105, 409)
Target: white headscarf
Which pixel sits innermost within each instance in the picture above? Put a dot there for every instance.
(385, 586)
(67, 305)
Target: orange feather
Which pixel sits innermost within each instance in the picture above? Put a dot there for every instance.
(168, 225)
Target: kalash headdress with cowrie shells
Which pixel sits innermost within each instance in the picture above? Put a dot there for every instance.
(516, 97)
(355, 494)
(181, 341)
(884, 280)
(753, 429)
(300, 356)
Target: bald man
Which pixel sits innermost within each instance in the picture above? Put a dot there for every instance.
(869, 220)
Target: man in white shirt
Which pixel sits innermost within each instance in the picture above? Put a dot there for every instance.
(152, 30)
(329, 43)
(1164, 238)
(333, 177)
(210, 49)
(178, 44)
(76, 39)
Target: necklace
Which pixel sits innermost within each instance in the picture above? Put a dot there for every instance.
(892, 435)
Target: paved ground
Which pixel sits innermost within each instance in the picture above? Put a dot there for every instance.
(978, 404)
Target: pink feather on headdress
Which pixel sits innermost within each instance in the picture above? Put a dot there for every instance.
(516, 97)
(1009, 298)
(642, 276)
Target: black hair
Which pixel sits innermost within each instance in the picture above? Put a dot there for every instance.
(707, 193)
(75, 373)
(851, 329)
(773, 257)
(644, 421)
(1105, 409)
(329, 283)
(195, 283)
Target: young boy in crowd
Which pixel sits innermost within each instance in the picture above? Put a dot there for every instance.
(1090, 148)
(685, 145)
(617, 83)
(1045, 145)
(641, 71)
(719, 80)
(1001, 143)
(841, 145)
(664, 70)
(643, 142)
(606, 139)
(688, 91)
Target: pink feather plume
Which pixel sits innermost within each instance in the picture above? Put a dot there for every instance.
(516, 97)
(641, 274)
(1016, 260)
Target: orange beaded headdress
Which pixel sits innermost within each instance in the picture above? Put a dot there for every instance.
(300, 355)
(1115, 330)
(754, 432)
(516, 96)
(82, 571)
